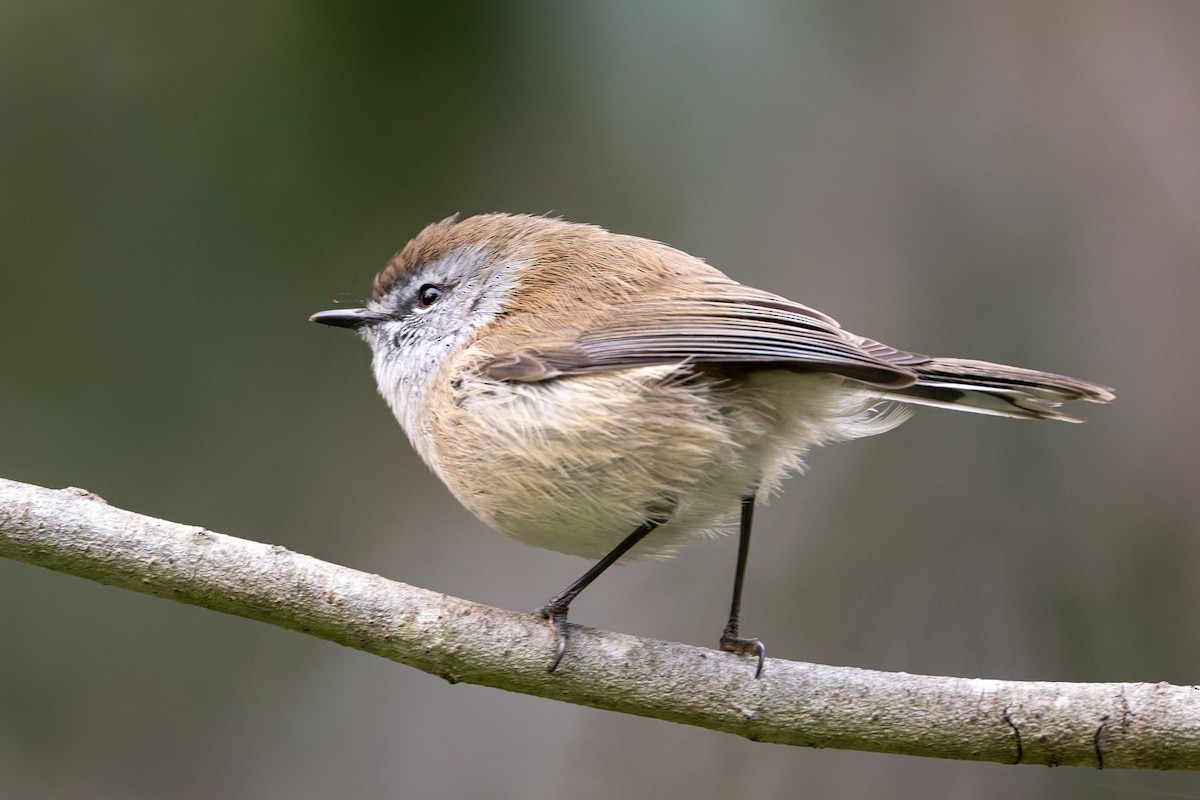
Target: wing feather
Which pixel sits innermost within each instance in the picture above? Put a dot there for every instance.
(737, 326)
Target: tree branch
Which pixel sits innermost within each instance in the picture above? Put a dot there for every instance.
(1131, 725)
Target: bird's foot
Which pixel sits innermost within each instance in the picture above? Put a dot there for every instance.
(556, 615)
(745, 647)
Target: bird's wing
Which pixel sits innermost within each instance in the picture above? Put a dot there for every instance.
(725, 323)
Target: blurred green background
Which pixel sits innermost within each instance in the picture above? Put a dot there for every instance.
(182, 185)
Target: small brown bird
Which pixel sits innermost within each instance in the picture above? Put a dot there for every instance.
(612, 397)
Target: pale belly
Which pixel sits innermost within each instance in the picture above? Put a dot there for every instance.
(576, 464)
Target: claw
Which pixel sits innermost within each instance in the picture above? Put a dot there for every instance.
(746, 647)
(557, 617)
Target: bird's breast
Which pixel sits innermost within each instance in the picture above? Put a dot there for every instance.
(576, 463)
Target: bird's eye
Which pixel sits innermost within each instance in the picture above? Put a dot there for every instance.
(428, 294)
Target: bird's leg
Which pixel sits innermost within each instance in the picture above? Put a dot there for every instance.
(730, 641)
(556, 610)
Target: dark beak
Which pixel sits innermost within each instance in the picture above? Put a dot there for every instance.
(353, 318)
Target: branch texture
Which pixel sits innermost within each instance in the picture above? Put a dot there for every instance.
(1126, 725)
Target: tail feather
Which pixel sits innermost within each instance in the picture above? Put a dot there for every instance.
(985, 388)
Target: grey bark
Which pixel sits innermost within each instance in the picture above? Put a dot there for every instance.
(1125, 725)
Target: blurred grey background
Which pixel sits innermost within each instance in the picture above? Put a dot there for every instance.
(182, 185)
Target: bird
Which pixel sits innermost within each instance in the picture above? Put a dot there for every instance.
(612, 397)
